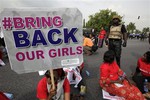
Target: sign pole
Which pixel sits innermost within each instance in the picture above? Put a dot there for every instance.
(52, 78)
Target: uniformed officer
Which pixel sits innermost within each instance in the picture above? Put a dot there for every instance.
(114, 37)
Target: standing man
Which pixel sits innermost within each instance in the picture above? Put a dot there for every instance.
(114, 37)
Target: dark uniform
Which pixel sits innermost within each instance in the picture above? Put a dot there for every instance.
(114, 37)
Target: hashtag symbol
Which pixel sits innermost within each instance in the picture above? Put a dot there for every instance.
(7, 24)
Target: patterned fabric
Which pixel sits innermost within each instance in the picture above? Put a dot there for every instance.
(111, 72)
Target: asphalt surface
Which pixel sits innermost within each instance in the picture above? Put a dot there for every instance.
(23, 86)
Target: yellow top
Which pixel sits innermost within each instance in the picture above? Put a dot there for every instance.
(87, 42)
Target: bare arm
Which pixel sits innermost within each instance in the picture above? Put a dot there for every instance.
(124, 31)
(106, 38)
(125, 37)
(106, 35)
(67, 96)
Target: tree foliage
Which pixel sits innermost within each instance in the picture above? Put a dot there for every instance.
(104, 17)
(131, 27)
(101, 18)
(137, 31)
(145, 30)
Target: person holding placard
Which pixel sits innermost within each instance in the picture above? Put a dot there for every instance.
(45, 91)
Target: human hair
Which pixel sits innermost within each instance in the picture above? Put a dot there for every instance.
(60, 72)
(93, 35)
(148, 56)
(86, 35)
(109, 56)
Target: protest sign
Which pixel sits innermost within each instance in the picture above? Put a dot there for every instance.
(41, 39)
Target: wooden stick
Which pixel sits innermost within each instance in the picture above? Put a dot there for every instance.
(52, 78)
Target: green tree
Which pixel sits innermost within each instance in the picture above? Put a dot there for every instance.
(101, 18)
(137, 31)
(131, 27)
(145, 30)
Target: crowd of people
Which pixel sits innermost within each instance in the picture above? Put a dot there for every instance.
(142, 36)
(112, 78)
(92, 41)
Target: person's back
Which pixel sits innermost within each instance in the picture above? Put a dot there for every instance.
(87, 42)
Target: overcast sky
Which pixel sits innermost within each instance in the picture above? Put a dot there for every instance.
(130, 9)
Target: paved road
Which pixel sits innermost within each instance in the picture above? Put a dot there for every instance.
(23, 86)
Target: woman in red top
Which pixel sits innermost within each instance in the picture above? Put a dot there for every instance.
(143, 67)
(101, 37)
(45, 92)
(113, 80)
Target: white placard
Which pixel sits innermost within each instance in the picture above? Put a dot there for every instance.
(40, 39)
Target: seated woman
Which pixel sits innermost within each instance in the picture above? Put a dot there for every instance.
(62, 91)
(143, 67)
(113, 79)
